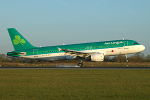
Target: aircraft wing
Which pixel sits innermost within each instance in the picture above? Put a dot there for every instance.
(76, 53)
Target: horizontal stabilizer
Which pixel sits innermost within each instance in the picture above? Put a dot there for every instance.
(16, 53)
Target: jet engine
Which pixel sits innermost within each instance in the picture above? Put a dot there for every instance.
(97, 57)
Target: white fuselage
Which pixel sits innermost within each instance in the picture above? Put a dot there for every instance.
(107, 52)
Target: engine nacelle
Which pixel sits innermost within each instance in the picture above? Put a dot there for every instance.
(97, 57)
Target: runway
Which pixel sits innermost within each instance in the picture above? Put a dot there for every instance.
(74, 67)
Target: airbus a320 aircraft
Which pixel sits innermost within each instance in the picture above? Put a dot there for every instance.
(93, 50)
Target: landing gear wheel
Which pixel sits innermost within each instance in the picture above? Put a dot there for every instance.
(80, 64)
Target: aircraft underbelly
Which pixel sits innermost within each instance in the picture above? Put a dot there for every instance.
(54, 56)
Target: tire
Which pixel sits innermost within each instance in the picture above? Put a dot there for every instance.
(80, 64)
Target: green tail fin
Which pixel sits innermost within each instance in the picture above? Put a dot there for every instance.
(18, 41)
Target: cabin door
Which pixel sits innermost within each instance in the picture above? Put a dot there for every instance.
(126, 45)
(35, 52)
(89, 48)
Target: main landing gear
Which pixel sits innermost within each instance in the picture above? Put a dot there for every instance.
(126, 58)
(80, 63)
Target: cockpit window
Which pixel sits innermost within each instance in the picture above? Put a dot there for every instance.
(135, 43)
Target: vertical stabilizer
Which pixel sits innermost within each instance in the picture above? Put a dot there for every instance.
(18, 41)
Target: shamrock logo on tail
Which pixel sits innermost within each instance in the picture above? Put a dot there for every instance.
(18, 40)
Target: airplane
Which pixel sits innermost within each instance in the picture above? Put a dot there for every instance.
(95, 51)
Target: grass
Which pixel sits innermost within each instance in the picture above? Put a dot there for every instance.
(74, 84)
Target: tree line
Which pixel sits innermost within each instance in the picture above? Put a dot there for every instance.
(137, 57)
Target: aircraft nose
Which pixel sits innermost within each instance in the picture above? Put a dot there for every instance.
(142, 47)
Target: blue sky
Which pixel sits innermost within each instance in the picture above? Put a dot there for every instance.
(55, 22)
